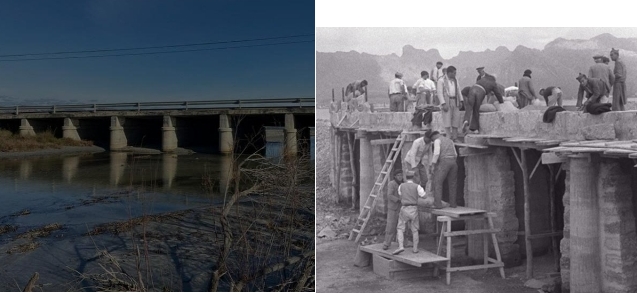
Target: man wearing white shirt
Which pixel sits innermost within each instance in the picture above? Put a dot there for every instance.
(409, 193)
(424, 89)
(450, 97)
(397, 93)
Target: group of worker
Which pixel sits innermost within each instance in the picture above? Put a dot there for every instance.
(431, 160)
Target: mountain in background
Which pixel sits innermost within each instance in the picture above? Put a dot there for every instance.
(558, 64)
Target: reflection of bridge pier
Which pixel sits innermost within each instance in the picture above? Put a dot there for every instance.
(69, 167)
(169, 170)
(26, 168)
(225, 173)
(118, 166)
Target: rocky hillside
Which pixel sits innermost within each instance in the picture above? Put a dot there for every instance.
(557, 64)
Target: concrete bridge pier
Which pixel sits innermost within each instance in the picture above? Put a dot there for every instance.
(290, 135)
(25, 128)
(118, 136)
(169, 141)
(226, 143)
(69, 130)
(274, 138)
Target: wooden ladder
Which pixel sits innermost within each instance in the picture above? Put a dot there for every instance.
(370, 203)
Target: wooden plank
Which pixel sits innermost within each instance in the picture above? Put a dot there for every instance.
(456, 212)
(549, 142)
(471, 232)
(522, 145)
(476, 146)
(466, 152)
(619, 142)
(407, 256)
(474, 267)
(552, 158)
(632, 156)
(383, 141)
(522, 139)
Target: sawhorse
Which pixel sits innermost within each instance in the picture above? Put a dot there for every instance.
(445, 233)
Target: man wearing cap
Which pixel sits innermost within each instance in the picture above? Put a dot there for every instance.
(424, 88)
(397, 93)
(482, 74)
(552, 95)
(596, 91)
(526, 91)
(437, 73)
(393, 208)
(473, 101)
(409, 193)
(619, 85)
(450, 97)
(444, 167)
(601, 71)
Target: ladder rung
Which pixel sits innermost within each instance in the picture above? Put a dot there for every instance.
(354, 230)
(389, 161)
(373, 195)
(378, 183)
(367, 207)
(395, 149)
(383, 172)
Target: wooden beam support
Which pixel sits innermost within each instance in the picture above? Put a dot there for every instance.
(527, 217)
(539, 160)
(552, 158)
(517, 158)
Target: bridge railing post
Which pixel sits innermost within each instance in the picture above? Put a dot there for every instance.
(53, 109)
(17, 110)
(138, 108)
(94, 108)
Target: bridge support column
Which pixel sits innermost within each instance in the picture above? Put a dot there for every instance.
(25, 128)
(169, 135)
(290, 135)
(274, 139)
(69, 130)
(118, 137)
(226, 144)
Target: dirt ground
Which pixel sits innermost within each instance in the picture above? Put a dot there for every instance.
(335, 271)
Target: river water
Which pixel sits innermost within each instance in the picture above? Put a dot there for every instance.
(79, 191)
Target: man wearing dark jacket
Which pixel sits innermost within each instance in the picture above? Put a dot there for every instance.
(472, 103)
(393, 208)
(596, 91)
(409, 193)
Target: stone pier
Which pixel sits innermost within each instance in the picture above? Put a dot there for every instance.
(226, 141)
(25, 128)
(274, 141)
(118, 136)
(290, 135)
(69, 130)
(169, 141)
(366, 169)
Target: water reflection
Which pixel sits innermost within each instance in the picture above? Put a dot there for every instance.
(26, 167)
(118, 166)
(169, 170)
(225, 173)
(69, 168)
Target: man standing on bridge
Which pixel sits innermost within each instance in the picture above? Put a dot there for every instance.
(596, 91)
(444, 166)
(409, 193)
(397, 93)
(424, 89)
(619, 87)
(450, 97)
(472, 103)
(601, 71)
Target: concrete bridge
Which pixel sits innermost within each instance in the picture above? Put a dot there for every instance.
(169, 125)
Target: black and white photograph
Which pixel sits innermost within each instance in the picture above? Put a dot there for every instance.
(476, 159)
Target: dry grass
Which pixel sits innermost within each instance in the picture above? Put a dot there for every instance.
(10, 142)
(43, 231)
(7, 229)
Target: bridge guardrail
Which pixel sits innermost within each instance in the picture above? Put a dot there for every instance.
(147, 106)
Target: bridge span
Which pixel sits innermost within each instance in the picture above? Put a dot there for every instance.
(215, 126)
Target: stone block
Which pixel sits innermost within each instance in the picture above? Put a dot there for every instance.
(599, 131)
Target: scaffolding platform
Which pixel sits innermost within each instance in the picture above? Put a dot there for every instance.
(457, 212)
(407, 256)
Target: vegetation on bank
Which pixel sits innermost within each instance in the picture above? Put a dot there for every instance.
(10, 142)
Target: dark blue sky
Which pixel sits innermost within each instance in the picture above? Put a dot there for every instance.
(281, 71)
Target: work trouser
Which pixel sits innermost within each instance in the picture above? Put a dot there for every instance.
(472, 107)
(619, 96)
(451, 118)
(396, 103)
(420, 175)
(423, 98)
(392, 224)
(408, 213)
(446, 168)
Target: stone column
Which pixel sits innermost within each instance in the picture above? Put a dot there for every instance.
(376, 162)
(118, 136)
(25, 128)
(290, 135)
(366, 176)
(169, 135)
(345, 185)
(226, 141)
(490, 185)
(565, 258)
(618, 236)
(69, 130)
(584, 220)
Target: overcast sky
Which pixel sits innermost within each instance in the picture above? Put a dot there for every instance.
(449, 41)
